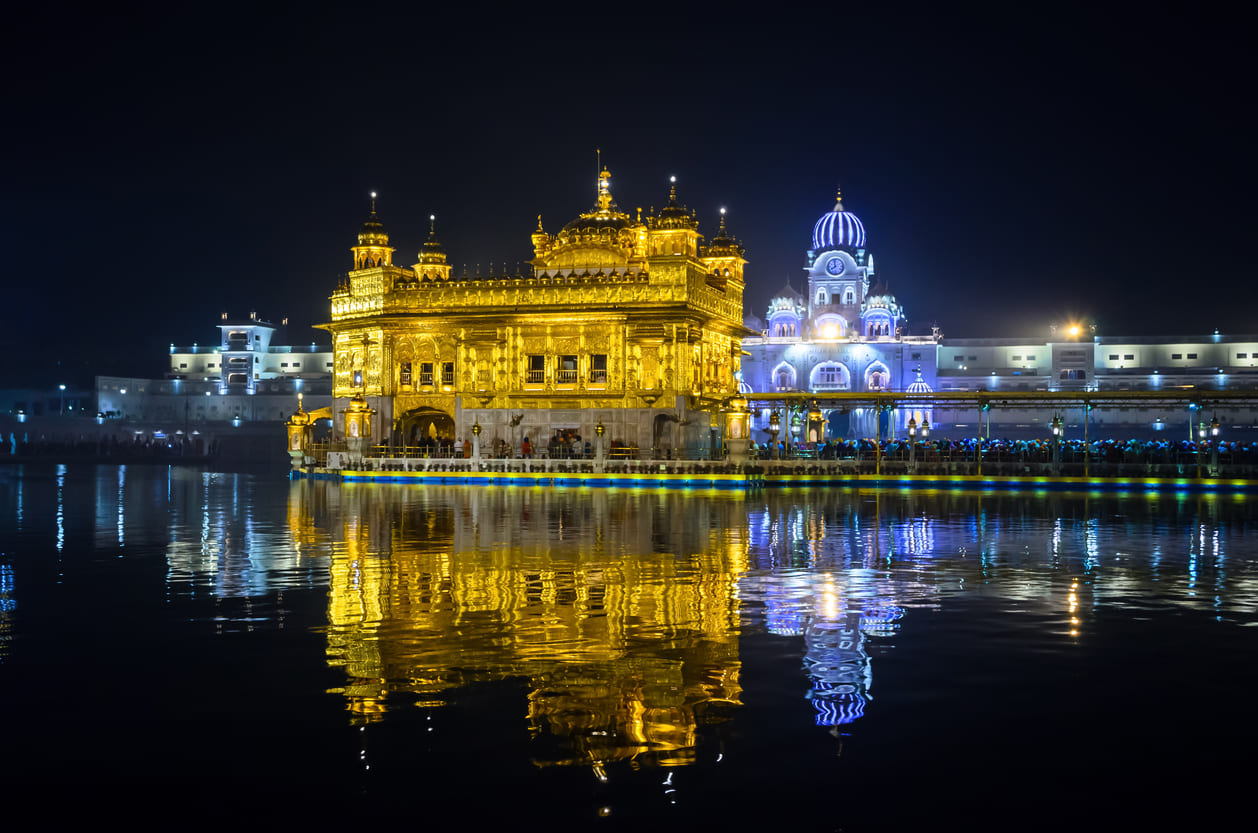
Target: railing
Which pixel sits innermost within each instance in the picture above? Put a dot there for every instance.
(535, 377)
(565, 377)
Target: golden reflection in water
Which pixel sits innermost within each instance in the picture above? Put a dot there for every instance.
(619, 608)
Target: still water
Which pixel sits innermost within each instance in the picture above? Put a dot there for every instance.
(236, 646)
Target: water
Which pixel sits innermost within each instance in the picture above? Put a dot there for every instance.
(184, 645)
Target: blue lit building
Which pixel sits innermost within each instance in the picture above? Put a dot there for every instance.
(841, 329)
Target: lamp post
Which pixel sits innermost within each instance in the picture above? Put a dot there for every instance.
(912, 444)
(775, 425)
(925, 433)
(1201, 439)
(62, 409)
(1214, 446)
(1057, 428)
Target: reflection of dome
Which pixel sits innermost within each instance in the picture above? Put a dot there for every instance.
(837, 229)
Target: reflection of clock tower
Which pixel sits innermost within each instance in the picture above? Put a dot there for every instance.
(838, 273)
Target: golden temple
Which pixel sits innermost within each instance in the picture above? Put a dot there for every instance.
(629, 323)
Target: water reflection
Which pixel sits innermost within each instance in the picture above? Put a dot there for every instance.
(623, 609)
(619, 609)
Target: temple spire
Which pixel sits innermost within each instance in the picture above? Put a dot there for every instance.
(604, 191)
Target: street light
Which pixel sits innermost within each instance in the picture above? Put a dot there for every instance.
(775, 425)
(62, 410)
(1214, 446)
(1058, 429)
(912, 443)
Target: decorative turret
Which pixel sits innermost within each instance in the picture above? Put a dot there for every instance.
(373, 247)
(541, 241)
(674, 230)
(432, 264)
(724, 259)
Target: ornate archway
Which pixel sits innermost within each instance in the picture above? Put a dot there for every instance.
(425, 424)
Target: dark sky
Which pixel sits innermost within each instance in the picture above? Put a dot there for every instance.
(1011, 171)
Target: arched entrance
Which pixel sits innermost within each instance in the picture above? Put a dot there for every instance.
(425, 426)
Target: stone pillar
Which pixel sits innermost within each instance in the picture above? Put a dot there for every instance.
(737, 429)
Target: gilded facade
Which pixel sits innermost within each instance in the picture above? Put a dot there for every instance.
(628, 321)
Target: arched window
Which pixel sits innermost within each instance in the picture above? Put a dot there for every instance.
(849, 297)
(822, 297)
(877, 380)
(784, 377)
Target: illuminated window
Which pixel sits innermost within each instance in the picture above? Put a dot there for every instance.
(598, 369)
(566, 370)
(425, 373)
(537, 370)
(447, 373)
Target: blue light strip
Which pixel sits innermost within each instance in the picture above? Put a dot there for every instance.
(849, 232)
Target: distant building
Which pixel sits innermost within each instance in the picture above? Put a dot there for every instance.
(243, 376)
(843, 330)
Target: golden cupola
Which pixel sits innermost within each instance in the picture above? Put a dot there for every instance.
(723, 258)
(603, 238)
(674, 230)
(432, 263)
(373, 247)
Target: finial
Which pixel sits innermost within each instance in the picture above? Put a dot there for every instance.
(432, 223)
(672, 189)
(838, 198)
(539, 223)
(373, 203)
(604, 190)
(722, 221)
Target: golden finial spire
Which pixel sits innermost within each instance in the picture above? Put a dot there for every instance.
(604, 190)
(373, 203)
(838, 198)
(672, 189)
(722, 231)
(432, 223)
(539, 223)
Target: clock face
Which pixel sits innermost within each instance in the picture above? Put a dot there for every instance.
(835, 265)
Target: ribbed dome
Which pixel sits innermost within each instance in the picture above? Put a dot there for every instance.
(603, 220)
(838, 229)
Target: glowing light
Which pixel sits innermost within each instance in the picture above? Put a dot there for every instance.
(831, 331)
(1074, 330)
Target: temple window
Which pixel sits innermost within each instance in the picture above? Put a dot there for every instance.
(566, 370)
(425, 373)
(536, 370)
(598, 369)
(404, 374)
(447, 373)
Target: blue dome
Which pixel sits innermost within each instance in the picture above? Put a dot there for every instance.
(838, 228)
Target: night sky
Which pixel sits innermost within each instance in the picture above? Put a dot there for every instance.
(1011, 172)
